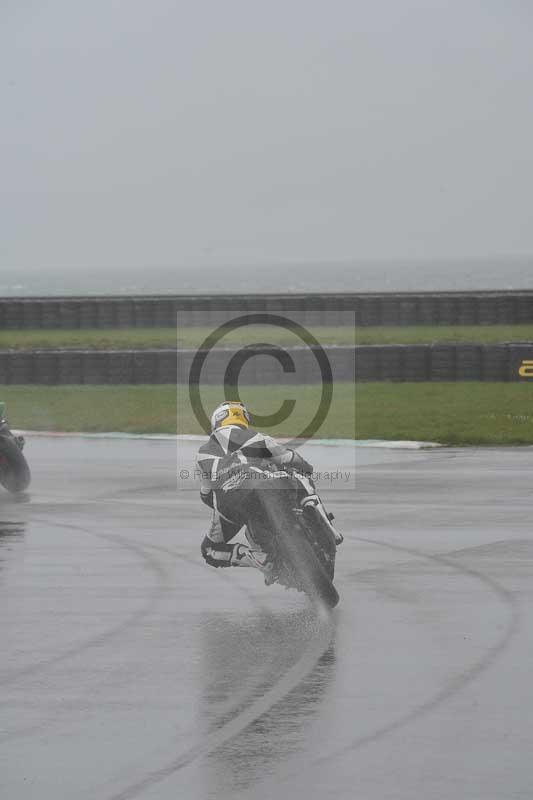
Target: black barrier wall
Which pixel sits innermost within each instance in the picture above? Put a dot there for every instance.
(443, 308)
(463, 362)
(158, 312)
(54, 367)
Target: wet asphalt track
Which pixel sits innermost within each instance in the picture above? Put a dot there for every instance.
(131, 670)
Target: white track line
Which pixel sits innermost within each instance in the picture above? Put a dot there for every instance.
(167, 437)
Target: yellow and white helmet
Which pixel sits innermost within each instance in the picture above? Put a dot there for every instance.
(232, 412)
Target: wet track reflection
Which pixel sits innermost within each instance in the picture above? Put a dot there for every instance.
(270, 741)
(11, 539)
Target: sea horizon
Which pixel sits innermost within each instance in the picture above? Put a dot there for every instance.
(505, 273)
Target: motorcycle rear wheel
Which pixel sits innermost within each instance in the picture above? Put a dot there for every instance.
(311, 572)
(298, 553)
(15, 473)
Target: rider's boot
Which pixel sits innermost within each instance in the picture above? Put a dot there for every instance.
(244, 556)
(314, 501)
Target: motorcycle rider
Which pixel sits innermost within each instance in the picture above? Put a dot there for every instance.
(231, 444)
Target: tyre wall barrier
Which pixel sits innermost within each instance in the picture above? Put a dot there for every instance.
(443, 308)
(440, 362)
(168, 312)
(262, 366)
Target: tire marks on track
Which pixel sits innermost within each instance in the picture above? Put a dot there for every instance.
(239, 717)
(465, 677)
(105, 636)
(244, 718)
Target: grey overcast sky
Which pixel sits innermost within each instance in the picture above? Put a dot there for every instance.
(158, 132)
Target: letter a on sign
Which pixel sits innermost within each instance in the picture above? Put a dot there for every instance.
(526, 369)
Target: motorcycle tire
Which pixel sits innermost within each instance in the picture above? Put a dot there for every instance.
(15, 473)
(313, 574)
(296, 549)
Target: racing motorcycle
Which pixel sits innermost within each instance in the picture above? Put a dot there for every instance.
(282, 520)
(14, 470)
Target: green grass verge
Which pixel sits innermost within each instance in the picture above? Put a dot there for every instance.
(133, 338)
(160, 409)
(450, 413)
(426, 334)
